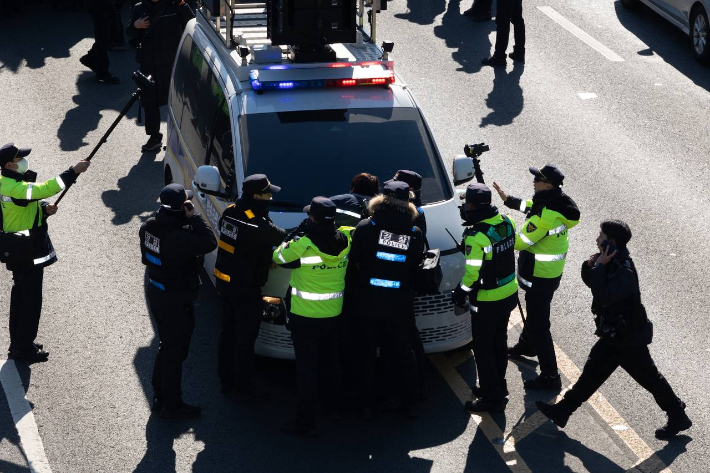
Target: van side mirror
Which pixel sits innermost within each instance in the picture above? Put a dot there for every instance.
(207, 181)
(462, 170)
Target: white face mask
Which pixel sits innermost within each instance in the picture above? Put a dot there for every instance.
(22, 166)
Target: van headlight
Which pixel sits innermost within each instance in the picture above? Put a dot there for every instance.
(274, 311)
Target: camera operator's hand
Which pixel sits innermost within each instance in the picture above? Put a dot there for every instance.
(81, 166)
(189, 209)
(592, 260)
(50, 209)
(500, 191)
(142, 23)
(605, 257)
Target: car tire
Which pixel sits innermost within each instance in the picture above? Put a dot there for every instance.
(631, 4)
(699, 32)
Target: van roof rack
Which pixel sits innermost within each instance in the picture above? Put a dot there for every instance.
(252, 49)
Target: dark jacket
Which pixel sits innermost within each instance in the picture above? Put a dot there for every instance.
(246, 259)
(352, 209)
(159, 42)
(553, 199)
(389, 234)
(181, 248)
(619, 314)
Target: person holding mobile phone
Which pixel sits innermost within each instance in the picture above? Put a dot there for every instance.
(624, 333)
(173, 243)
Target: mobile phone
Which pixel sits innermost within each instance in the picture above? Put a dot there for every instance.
(605, 244)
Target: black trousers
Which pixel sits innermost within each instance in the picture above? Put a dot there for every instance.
(603, 361)
(98, 54)
(393, 335)
(241, 320)
(536, 337)
(175, 325)
(507, 12)
(25, 307)
(315, 342)
(489, 327)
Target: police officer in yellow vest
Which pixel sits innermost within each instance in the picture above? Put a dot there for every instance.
(246, 242)
(25, 244)
(318, 256)
(490, 286)
(543, 243)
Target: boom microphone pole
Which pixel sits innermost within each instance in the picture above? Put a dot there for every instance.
(145, 84)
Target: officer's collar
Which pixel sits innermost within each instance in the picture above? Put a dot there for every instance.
(12, 174)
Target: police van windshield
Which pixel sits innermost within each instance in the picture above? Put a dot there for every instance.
(317, 152)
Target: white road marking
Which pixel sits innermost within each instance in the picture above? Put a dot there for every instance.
(23, 418)
(587, 95)
(591, 42)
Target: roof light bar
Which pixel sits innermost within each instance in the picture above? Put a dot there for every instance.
(260, 85)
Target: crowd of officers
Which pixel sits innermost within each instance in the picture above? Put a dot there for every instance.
(353, 264)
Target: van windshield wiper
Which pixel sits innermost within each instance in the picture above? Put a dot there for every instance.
(286, 205)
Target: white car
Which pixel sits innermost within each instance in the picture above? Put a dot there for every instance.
(236, 111)
(691, 16)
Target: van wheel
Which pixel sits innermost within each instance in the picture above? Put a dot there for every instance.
(631, 4)
(168, 175)
(699, 34)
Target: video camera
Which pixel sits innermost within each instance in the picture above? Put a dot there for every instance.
(144, 83)
(475, 150)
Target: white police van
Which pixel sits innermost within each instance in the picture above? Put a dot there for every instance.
(246, 109)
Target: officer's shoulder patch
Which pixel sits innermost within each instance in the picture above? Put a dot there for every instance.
(468, 249)
(531, 227)
(249, 214)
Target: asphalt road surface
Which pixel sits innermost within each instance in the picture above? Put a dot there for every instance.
(628, 124)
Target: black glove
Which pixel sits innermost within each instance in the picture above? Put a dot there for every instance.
(459, 296)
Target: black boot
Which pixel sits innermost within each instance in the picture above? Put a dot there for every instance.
(678, 420)
(518, 55)
(555, 412)
(494, 61)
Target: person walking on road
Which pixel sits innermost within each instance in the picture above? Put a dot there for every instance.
(25, 246)
(173, 243)
(507, 12)
(318, 255)
(102, 14)
(158, 26)
(489, 285)
(246, 242)
(624, 333)
(543, 242)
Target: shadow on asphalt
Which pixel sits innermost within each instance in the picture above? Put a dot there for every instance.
(8, 432)
(506, 98)
(247, 436)
(664, 40)
(422, 12)
(137, 192)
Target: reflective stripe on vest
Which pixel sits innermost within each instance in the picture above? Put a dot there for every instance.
(347, 212)
(281, 258)
(312, 296)
(29, 191)
(488, 249)
(310, 259)
(391, 257)
(153, 259)
(466, 288)
(525, 239)
(220, 275)
(385, 283)
(157, 284)
(474, 262)
(523, 205)
(44, 259)
(557, 230)
(524, 282)
(550, 257)
(226, 246)
(473, 309)
(60, 182)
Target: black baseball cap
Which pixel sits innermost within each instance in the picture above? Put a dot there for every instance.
(258, 184)
(412, 178)
(174, 195)
(397, 189)
(322, 209)
(550, 173)
(478, 194)
(9, 152)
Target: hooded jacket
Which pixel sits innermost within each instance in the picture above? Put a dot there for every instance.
(387, 249)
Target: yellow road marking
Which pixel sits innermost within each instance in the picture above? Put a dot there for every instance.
(648, 460)
(485, 422)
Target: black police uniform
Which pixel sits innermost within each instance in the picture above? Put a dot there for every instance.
(157, 49)
(507, 12)
(387, 250)
(102, 13)
(172, 248)
(247, 239)
(624, 333)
